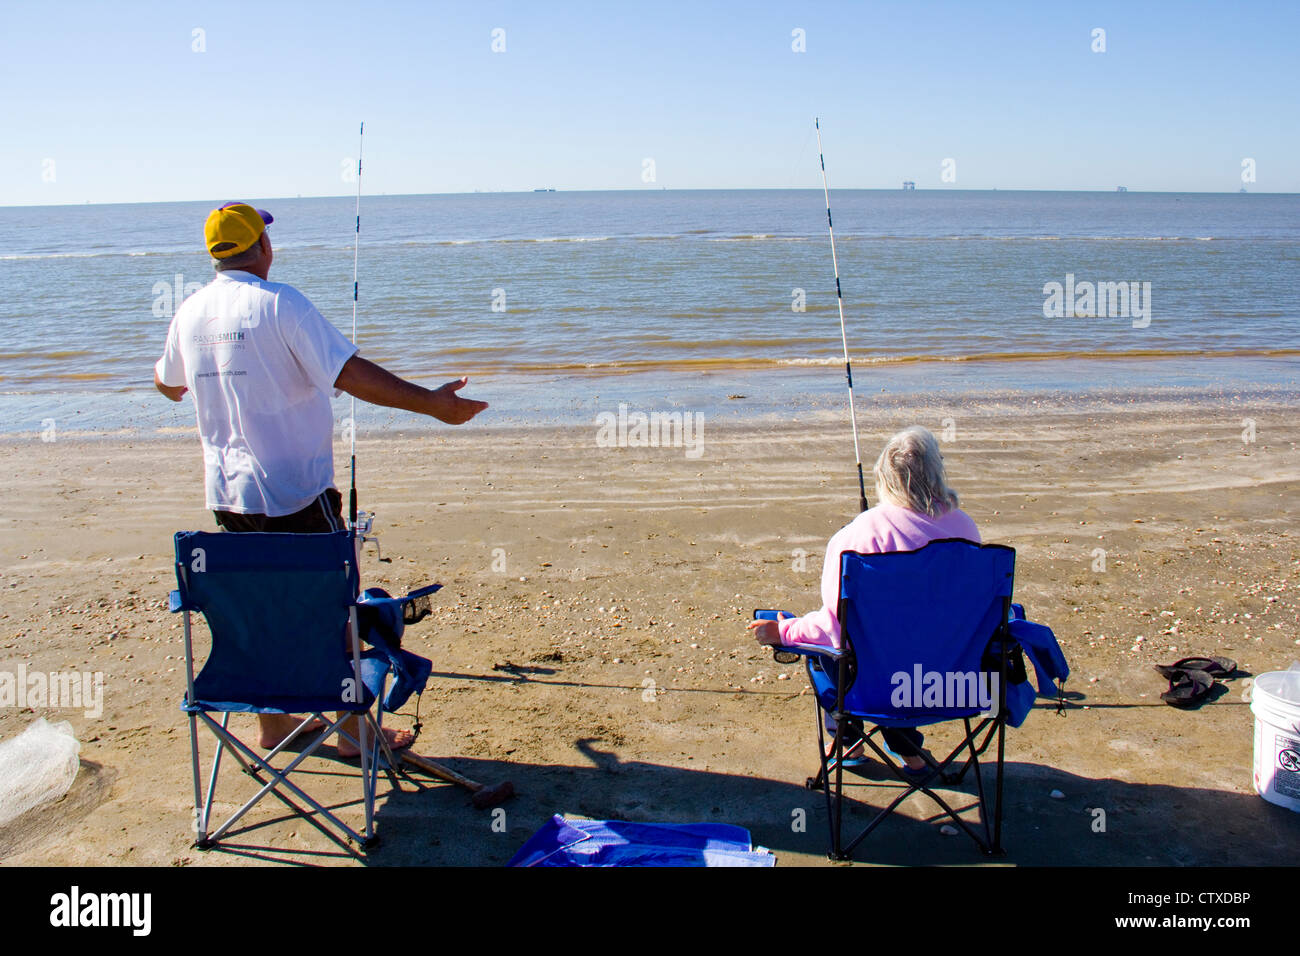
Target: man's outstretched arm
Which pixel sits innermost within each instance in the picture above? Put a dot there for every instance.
(372, 383)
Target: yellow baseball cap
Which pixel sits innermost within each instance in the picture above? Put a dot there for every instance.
(234, 228)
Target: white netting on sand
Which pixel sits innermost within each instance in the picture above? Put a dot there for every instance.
(37, 766)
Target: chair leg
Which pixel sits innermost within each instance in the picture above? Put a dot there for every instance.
(833, 756)
(815, 783)
(203, 802)
(822, 780)
(910, 787)
(367, 787)
(216, 772)
(819, 781)
(986, 727)
(837, 852)
(985, 843)
(391, 765)
(878, 819)
(278, 778)
(997, 809)
(365, 746)
(381, 755)
(979, 787)
(200, 809)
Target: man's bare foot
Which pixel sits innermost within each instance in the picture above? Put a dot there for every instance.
(277, 728)
(397, 740)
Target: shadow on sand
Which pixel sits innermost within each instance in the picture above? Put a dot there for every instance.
(92, 786)
(432, 823)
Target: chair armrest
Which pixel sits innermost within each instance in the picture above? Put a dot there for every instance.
(810, 650)
(174, 602)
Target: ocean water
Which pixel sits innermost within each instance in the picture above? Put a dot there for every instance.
(560, 304)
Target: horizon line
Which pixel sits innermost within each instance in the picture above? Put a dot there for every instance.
(1111, 190)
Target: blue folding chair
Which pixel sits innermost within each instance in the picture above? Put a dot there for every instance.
(282, 610)
(924, 639)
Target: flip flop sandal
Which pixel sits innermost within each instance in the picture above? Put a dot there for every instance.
(1217, 667)
(1188, 688)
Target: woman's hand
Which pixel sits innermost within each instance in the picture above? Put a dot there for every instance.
(767, 632)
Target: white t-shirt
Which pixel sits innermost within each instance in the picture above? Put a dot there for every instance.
(260, 362)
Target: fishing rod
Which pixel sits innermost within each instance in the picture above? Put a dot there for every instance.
(844, 338)
(356, 251)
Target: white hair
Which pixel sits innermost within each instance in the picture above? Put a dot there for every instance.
(909, 473)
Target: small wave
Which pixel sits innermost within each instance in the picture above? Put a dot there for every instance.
(57, 255)
(1047, 356)
(765, 237)
(127, 253)
(569, 239)
(857, 237)
(501, 240)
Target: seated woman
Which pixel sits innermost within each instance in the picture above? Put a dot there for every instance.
(916, 507)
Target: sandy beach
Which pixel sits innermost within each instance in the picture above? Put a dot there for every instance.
(590, 644)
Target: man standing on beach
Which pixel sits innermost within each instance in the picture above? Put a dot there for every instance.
(262, 364)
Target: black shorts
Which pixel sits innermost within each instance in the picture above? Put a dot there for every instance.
(323, 515)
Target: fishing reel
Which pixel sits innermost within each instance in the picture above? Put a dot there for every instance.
(363, 530)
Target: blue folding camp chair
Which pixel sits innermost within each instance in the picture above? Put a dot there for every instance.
(925, 638)
(282, 610)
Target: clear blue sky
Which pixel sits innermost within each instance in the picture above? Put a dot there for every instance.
(115, 96)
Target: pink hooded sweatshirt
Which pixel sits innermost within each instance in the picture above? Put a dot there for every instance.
(886, 527)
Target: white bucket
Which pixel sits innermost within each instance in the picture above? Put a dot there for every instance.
(1275, 701)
